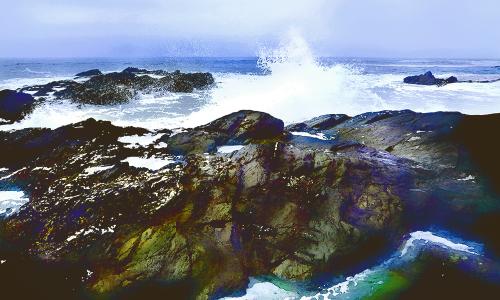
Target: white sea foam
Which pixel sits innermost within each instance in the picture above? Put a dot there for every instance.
(342, 287)
(298, 87)
(264, 290)
(152, 163)
(11, 201)
(354, 287)
(319, 136)
(98, 169)
(469, 177)
(229, 148)
(429, 237)
(136, 141)
(15, 83)
(135, 113)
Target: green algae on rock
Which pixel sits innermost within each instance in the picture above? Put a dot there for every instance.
(291, 206)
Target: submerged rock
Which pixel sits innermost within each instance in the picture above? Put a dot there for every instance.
(429, 79)
(14, 105)
(278, 206)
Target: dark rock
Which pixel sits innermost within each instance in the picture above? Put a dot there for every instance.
(429, 79)
(46, 89)
(108, 89)
(121, 87)
(242, 127)
(134, 70)
(424, 79)
(186, 82)
(89, 73)
(451, 79)
(14, 105)
(318, 123)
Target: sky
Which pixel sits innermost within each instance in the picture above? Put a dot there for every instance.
(144, 28)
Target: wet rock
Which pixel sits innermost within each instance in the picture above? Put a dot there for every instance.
(89, 73)
(277, 206)
(134, 70)
(318, 123)
(120, 87)
(108, 89)
(242, 127)
(429, 79)
(14, 105)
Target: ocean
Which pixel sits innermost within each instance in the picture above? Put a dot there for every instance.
(289, 83)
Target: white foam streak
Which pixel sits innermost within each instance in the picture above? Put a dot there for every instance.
(98, 169)
(229, 149)
(136, 141)
(151, 163)
(429, 237)
(319, 136)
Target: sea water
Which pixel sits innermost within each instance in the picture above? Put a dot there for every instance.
(289, 82)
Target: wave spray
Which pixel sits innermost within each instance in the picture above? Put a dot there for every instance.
(295, 86)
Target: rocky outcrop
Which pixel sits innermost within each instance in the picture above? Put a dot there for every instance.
(238, 128)
(114, 88)
(121, 87)
(14, 105)
(285, 205)
(89, 73)
(429, 79)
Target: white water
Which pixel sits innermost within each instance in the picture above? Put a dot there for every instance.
(12, 200)
(264, 290)
(229, 148)
(151, 163)
(296, 88)
(136, 141)
(319, 136)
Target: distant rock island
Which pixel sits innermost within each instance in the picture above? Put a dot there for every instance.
(429, 79)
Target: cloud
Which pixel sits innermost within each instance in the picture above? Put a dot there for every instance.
(229, 27)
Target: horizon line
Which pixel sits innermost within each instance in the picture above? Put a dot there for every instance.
(243, 57)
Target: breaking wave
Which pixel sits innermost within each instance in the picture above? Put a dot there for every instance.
(363, 284)
(295, 86)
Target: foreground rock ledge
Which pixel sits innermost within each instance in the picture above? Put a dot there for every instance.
(319, 197)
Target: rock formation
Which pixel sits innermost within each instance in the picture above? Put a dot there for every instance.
(286, 204)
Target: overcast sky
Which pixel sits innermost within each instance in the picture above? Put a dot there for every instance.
(372, 28)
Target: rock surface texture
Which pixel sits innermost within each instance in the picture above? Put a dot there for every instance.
(286, 204)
